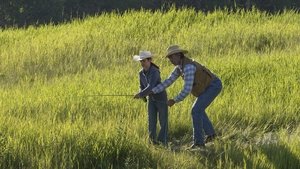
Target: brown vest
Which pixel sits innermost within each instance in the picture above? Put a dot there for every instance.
(202, 79)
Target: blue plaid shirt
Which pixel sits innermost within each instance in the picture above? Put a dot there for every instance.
(188, 73)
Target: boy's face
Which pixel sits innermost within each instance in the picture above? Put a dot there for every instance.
(175, 59)
(145, 63)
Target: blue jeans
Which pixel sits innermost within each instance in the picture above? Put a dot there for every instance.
(200, 120)
(160, 109)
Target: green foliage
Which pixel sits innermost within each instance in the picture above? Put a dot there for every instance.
(38, 12)
(52, 114)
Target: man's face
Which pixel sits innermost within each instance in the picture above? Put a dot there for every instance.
(175, 59)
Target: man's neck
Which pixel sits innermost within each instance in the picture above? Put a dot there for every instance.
(181, 62)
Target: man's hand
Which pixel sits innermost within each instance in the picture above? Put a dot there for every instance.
(171, 102)
(136, 96)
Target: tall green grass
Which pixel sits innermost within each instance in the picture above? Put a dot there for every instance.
(52, 77)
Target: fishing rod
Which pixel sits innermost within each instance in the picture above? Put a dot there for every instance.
(108, 95)
(113, 95)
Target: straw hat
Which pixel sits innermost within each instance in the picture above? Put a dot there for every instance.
(142, 55)
(175, 49)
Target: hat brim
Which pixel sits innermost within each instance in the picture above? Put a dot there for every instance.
(176, 51)
(139, 58)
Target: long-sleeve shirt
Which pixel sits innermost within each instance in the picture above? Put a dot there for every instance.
(188, 73)
(148, 80)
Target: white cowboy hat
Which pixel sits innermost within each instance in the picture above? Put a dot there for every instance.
(175, 49)
(142, 55)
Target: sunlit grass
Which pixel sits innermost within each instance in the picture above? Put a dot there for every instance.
(52, 79)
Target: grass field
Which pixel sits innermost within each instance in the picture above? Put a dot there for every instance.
(52, 113)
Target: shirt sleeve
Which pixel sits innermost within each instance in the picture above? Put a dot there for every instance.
(141, 84)
(153, 79)
(189, 73)
(166, 83)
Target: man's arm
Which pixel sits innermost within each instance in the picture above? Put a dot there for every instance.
(166, 83)
(189, 74)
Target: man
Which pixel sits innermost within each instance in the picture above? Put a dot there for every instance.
(200, 82)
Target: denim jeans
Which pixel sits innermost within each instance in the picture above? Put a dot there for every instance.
(160, 109)
(199, 117)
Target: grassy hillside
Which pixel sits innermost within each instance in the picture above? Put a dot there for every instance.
(52, 113)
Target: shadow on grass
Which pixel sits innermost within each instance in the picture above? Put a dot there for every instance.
(180, 138)
(226, 157)
(237, 153)
(280, 156)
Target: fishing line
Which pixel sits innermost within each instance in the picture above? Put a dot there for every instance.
(106, 95)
